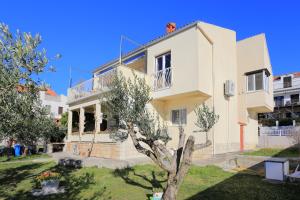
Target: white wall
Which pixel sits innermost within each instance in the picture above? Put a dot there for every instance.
(54, 102)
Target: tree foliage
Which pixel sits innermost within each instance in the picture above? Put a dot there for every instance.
(21, 61)
(129, 99)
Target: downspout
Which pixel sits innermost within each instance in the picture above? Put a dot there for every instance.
(213, 79)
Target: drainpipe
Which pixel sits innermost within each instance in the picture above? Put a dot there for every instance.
(213, 78)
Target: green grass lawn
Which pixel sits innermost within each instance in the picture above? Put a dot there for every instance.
(17, 180)
(34, 156)
(290, 152)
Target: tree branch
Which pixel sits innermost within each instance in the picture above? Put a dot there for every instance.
(186, 159)
(178, 153)
(155, 156)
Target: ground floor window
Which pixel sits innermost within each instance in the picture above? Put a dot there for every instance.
(179, 116)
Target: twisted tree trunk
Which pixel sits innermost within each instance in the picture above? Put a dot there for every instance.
(176, 164)
(181, 168)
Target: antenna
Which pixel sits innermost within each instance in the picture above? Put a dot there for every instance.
(70, 77)
(121, 45)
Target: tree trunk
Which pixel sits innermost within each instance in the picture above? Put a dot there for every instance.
(171, 191)
(182, 167)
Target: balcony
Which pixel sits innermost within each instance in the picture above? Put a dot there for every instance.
(100, 83)
(162, 79)
(90, 87)
(260, 101)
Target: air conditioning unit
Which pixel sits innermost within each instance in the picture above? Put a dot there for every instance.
(229, 88)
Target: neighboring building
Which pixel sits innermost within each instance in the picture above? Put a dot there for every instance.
(286, 97)
(57, 104)
(198, 63)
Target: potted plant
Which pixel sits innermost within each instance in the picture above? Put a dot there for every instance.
(157, 193)
(49, 181)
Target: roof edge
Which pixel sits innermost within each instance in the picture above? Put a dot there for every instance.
(150, 43)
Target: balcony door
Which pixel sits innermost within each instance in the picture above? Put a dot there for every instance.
(163, 74)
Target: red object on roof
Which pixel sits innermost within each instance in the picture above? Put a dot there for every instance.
(170, 27)
(297, 74)
(276, 78)
(50, 92)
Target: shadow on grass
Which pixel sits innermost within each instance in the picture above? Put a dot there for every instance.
(130, 176)
(249, 183)
(73, 184)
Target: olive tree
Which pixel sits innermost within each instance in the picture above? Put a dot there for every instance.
(22, 116)
(128, 99)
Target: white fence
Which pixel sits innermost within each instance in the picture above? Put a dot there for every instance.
(279, 131)
(277, 137)
(91, 86)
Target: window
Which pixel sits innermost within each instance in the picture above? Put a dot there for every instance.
(295, 98)
(60, 110)
(287, 81)
(163, 62)
(178, 117)
(48, 108)
(279, 101)
(163, 73)
(258, 81)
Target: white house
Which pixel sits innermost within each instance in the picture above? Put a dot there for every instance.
(57, 104)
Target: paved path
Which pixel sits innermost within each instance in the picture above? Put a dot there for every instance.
(101, 162)
(222, 160)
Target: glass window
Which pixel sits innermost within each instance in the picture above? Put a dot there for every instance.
(60, 110)
(179, 116)
(163, 62)
(168, 61)
(251, 82)
(258, 81)
(295, 98)
(159, 63)
(287, 82)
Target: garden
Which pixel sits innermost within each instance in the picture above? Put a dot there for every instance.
(19, 177)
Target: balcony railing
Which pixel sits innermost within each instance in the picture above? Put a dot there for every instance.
(90, 87)
(163, 79)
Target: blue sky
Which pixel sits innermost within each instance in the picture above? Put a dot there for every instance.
(87, 33)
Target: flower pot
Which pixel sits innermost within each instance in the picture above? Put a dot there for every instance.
(157, 195)
(50, 186)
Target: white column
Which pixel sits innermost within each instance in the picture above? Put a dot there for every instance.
(70, 120)
(81, 121)
(98, 117)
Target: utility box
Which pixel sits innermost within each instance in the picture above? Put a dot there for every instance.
(277, 169)
(229, 88)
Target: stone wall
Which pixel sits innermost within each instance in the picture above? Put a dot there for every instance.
(103, 150)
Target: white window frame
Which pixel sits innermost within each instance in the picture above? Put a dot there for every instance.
(265, 82)
(163, 56)
(180, 113)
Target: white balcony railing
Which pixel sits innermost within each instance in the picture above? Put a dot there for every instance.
(163, 79)
(90, 87)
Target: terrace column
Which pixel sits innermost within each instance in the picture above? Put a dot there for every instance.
(98, 117)
(81, 121)
(70, 122)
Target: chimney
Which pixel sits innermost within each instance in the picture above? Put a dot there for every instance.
(170, 27)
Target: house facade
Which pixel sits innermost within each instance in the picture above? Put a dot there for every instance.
(286, 97)
(198, 63)
(56, 104)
